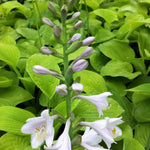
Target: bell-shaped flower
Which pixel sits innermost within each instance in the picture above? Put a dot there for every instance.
(75, 16)
(63, 142)
(106, 128)
(77, 88)
(78, 25)
(99, 101)
(61, 89)
(48, 22)
(40, 128)
(88, 147)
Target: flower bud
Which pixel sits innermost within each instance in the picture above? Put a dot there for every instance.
(61, 89)
(77, 88)
(57, 31)
(80, 65)
(75, 16)
(87, 52)
(88, 41)
(51, 7)
(48, 22)
(74, 38)
(64, 11)
(78, 25)
(46, 50)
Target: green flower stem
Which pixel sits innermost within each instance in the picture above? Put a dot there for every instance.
(65, 61)
(87, 19)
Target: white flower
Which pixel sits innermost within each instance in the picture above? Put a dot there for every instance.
(106, 128)
(61, 89)
(99, 101)
(77, 88)
(63, 142)
(40, 128)
(88, 147)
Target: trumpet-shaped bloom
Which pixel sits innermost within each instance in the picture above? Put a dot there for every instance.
(99, 101)
(77, 88)
(62, 89)
(88, 147)
(40, 128)
(63, 142)
(106, 128)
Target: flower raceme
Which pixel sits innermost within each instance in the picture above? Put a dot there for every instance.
(99, 101)
(63, 142)
(40, 128)
(106, 128)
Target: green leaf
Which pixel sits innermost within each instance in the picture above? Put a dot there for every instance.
(12, 119)
(92, 82)
(144, 1)
(9, 54)
(142, 132)
(118, 50)
(132, 144)
(15, 142)
(108, 15)
(5, 82)
(28, 33)
(15, 95)
(98, 60)
(143, 88)
(142, 111)
(46, 83)
(103, 35)
(116, 68)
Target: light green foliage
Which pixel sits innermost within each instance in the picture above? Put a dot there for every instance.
(46, 83)
(15, 95)
(5, 82)
(118, 50)
(12, 119)
(91, 86)
(15, 142)
(116, 68)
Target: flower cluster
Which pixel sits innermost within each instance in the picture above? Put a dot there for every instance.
(41, 128)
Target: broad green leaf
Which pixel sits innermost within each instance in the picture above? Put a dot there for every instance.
(26, 49)
(15, 95)
(143, 88)
(9, 54)
(15, 142)
(144, 1)
(117, 47)
(5, 82)
(118, 50)
(28, 33)
(8, 6)
(98, 60)
(92, 82)
(108, 15)
(142, 132)
(10, 75)
(116, 68)
(12, 119)
(5, 102)
(103, 35)
(132, 144)
(142, 111)
(46, 83)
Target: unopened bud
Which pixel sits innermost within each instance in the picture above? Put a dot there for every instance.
(74, 38)
(64, 11)
(88, 41)
(48, 22)
(75, 16)
(61, 89)
(87, 52)
(80, 65)
(57, 31)
(78, 25)
(51, 7)
(46, 50)
(77, 88)
(44, 71)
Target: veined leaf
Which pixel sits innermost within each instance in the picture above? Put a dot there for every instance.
(12, 119)
(15, 142)
(46, 83)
